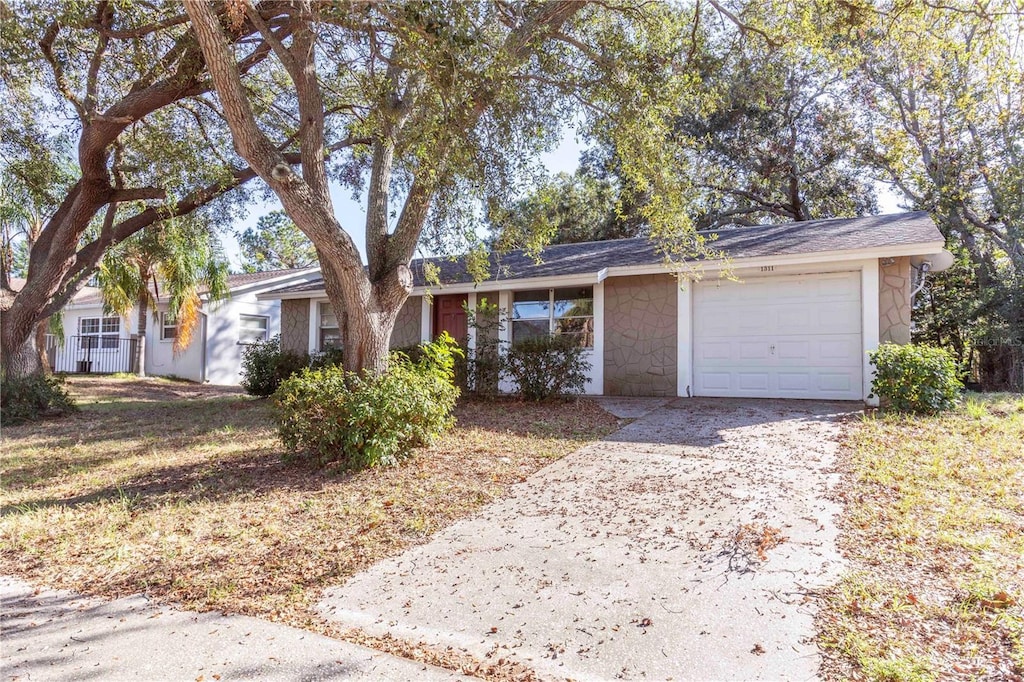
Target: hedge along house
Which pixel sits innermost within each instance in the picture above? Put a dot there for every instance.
(99, 342)
(812, 298)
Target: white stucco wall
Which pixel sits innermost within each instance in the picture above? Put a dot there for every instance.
(220, 329)
(104, 360)
(161, 359)
(223, 351)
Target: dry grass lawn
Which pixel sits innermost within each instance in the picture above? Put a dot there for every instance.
(179, 491)
(934, 531)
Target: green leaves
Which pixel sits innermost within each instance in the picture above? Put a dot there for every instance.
(180, 260)
(358, 420)
(912, 378)
(547, 367)
(275, 243)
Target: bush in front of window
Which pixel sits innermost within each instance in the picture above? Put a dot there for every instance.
(328, 357)
(912, 378)
(33, 397)
(330, 416)
(547, 367)
(479, 369)
(265, 366)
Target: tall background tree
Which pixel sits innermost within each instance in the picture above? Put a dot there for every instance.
(942, 93)
(778, 146)
(275, 243)
(775, 141)
(563, 209)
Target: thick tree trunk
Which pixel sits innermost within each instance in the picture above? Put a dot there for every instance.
(366, 314)
(41, 329)
(367, 339)
(21, 361)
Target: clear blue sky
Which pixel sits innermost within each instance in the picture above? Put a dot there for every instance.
(352, 214)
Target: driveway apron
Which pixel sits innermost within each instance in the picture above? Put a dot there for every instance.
(687, 545)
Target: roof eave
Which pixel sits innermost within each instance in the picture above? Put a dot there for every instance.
(838, 256)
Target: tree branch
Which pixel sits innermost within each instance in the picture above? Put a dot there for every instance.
(104, 15)
(137, 194)
(46, 45)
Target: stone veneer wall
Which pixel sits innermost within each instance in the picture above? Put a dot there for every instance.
(894, 283)
(407, 326)
(295, 325)
(640, 335)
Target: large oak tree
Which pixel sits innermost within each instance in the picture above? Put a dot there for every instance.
(127, 83)
(455, 100)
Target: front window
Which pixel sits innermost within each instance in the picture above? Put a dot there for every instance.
(567, 311)
(168, 327)
(99, 332)
(252, 328)
(330, 332)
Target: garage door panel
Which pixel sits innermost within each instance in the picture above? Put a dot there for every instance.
(716, 381)
(721, 350)
(840, 318)
(753, 381)
(837, 381)
(793, 337)
(795, 381)
(753, 350)
(794, 349)
(823, 350)
(845, 350)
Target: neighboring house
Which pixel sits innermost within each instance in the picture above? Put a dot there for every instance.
(97, 342)
(812, 299)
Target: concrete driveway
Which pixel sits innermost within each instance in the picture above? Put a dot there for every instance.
(685, 546)
(57, 635)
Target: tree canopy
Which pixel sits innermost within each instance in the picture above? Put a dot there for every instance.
(701, 112)
(453, 101)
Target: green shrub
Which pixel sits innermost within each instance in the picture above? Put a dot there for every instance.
(328, 357)
(265, 366)
(33, 397)
(329, 415)
(547, 367)
(912, 378)
(412, 353)
(479, 371)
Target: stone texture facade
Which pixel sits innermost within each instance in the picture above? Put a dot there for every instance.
(640, 335)
(407, 326)
(894, 285)
(295, 325)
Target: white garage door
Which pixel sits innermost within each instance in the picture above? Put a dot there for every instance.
(779, 337)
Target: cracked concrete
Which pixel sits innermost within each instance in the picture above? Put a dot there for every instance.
(636, 557)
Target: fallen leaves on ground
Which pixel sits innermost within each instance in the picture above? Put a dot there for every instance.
(934, 534)
(187, 499)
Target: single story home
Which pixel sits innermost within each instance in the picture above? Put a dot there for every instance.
(808, 301)
(98, 342)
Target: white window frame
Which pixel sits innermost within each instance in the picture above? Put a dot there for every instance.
(552, 318)
(102, 333)
(168, 321)
(321, 327)
(245, 340)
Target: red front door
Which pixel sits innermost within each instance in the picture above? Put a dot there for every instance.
(450, 316)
